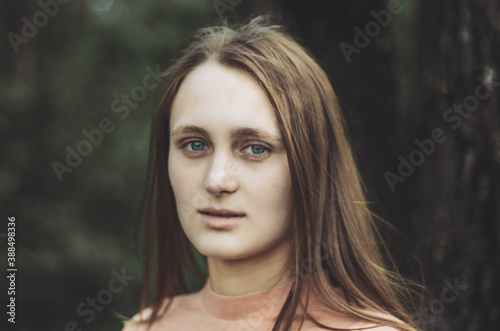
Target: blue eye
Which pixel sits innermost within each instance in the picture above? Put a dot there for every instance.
(257, 149)
(195, 145)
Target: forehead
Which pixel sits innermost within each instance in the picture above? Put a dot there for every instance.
(214, 94)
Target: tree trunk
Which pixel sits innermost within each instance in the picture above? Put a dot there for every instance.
(456, 197)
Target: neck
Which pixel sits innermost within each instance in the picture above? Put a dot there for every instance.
(252, 274)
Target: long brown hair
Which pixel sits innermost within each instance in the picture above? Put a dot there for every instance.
(333, 228)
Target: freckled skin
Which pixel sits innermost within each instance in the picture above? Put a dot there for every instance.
(225, 172)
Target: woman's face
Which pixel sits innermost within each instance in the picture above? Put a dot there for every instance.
(226, 152)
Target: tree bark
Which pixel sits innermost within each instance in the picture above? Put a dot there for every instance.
(456, 199)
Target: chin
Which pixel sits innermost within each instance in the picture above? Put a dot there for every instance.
(218, 250)
(224, 254)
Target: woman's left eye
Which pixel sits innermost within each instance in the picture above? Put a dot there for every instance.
(256, 150)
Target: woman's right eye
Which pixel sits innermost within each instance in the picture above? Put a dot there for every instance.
(196, 146)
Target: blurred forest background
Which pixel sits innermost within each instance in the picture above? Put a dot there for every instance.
(430, 65)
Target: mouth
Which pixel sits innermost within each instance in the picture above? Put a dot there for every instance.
(221, 212)
(221, 219)
(222, 215)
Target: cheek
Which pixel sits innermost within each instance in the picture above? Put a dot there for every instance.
(181, 179)
(187, 184)
(279, 184)
(183, 195)
(272, 192)
(173, 174)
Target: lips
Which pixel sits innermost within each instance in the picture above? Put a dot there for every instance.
(221, 219)
(221, 212)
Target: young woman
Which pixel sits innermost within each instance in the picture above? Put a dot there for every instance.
(249, 164)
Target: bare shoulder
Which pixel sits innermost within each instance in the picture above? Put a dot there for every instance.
(336, 319)
(179, 303)
(384, 328)
(353, 327)
(134, 323)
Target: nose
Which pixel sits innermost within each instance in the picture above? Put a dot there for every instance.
(221, 175)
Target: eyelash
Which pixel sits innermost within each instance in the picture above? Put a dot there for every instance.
(255, 156)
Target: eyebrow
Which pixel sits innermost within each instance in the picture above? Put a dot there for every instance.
(238, 131)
